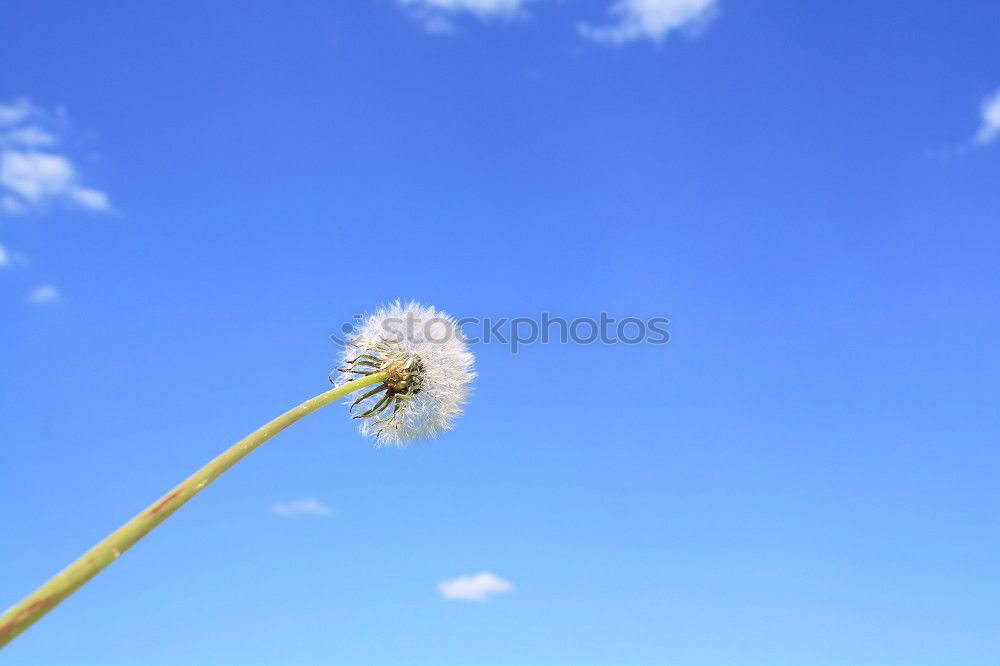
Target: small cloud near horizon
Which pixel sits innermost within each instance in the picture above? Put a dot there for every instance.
(33, 175)
(45, 294)
(308, 506)
(477, 587)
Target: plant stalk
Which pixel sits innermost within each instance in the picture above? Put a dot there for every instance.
(23, 614)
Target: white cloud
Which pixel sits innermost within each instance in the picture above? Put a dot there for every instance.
(308, 506)
(482, 8)
(30, 135)
(12, 206)
(650, 19)
(32, 178)
(45, 294)
(990, 127)
(11, 259)
(90, 198)
(436, 15)
(477, 587)
(38, 178)
(17, 111)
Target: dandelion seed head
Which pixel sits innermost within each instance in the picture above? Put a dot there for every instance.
(430, 371)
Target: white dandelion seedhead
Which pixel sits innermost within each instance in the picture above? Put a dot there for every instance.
(429, 370)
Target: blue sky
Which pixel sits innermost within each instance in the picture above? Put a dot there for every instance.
(196, 195)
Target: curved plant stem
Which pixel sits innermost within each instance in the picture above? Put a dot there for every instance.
(20, 616)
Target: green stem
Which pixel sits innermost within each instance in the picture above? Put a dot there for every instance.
(20, 616)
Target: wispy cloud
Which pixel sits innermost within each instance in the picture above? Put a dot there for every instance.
(11, 258)
(309, 506)
(438, 15)
(33, 175)
(477, 587)
(16, 112)
(630, 20)
(989, 128)
(650, 19)
(33, 179)
(29, 136)
(45, 294)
